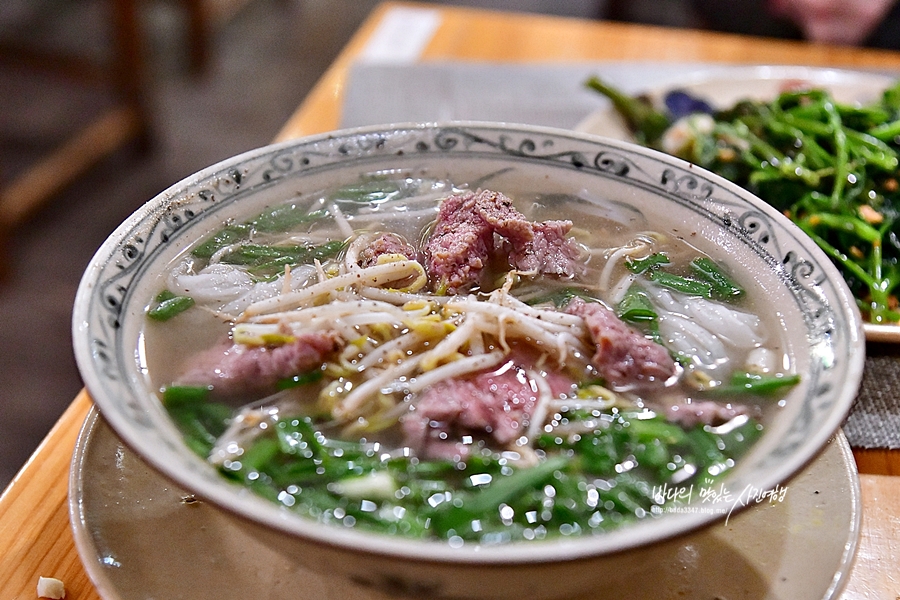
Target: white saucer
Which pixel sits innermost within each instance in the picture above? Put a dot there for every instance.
(141, 537)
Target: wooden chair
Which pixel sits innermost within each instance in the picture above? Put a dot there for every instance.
(198, 32)
(128, 120)
(203, 17)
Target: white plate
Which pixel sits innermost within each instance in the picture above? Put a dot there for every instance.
(140, 537)
(724, 86)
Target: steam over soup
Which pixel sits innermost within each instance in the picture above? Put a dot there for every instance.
(414, 358)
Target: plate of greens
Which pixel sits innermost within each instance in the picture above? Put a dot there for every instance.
(820, 145)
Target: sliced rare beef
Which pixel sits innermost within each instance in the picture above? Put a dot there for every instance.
(235, 369)
(550, 252)
(475, 227)
(623, 356)
(494, 405)
(385, 244)
(461, 243)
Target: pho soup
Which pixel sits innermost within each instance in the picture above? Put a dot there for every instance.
(426, 358)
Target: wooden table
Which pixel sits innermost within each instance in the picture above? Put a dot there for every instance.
(35, 538)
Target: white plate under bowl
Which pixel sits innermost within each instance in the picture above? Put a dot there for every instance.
(723, 86)
(139, 536)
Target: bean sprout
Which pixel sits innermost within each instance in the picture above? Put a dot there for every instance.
(383, 274)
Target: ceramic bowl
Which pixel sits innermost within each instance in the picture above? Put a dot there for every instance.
(823, 333)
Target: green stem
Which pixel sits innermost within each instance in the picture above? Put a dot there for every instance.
(841, 154)
(886, 132)
(879, 296)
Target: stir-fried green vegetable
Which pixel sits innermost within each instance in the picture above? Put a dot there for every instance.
(647, 123)
(830, 167)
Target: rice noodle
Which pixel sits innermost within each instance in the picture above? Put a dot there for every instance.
(224, 251)
(740, 329)
(228, 289)
(317, 238)
(422, 198)
(693, 340)
(701, 328)
(251, 422)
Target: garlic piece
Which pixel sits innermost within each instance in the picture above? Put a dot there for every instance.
(50, 587)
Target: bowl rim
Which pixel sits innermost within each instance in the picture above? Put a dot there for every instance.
(240, 502)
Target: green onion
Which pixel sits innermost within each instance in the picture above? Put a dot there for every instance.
(637, 308)
(722, 285)
(639, 265)
(744, 383)
(264, 260)
(200, 421)
(559, 298)
(681, 284)
(168, 305)
(279, 219)
(184, 395)
(505, 488)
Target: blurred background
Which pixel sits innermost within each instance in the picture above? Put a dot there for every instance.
(194, 82)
